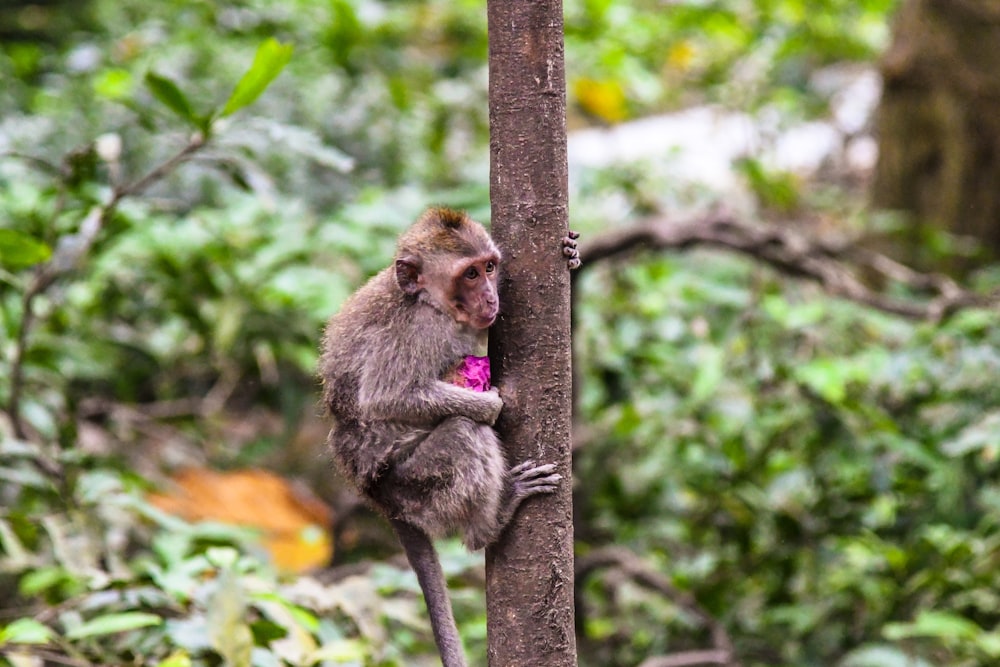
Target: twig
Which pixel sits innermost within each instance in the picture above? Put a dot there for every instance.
(687, 659)
(835, 267)
(642, 574)
(195, 143)
(39, 163)
(68, 255)
(46, 655)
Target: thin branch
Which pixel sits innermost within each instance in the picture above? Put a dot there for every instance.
(687, 659)
(39, 163)
(835, 267)
(45, 654)
(195, 143)
(639, 572)
(68, 254)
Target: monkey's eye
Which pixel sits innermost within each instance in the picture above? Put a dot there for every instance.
(490, 266)
(471, 273)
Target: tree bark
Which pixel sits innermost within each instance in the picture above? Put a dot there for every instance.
(529, 572)
(939, 130)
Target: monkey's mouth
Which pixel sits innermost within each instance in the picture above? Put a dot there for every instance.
(484, 322)
(478, 317)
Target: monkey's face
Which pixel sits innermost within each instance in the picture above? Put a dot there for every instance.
(473, 298)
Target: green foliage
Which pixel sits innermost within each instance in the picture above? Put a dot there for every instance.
(821, 479)
(747, 53)
(126, 582)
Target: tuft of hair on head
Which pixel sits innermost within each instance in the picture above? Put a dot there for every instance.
(445, 230)
(450, 218)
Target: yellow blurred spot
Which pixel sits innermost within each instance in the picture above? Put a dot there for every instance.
(294, 524)
(681, 56)
(603, 99)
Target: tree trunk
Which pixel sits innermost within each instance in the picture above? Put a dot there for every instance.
(529, 573)
(938, 122)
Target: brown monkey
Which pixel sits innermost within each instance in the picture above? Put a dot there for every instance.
(421, 449)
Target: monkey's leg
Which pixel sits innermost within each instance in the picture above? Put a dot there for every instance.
(424, 561)
(456, 479)
(453, 480)
(524, 480)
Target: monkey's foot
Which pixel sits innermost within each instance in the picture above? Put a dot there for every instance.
(527, 479)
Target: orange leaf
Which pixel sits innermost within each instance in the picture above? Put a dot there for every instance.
(294, 524)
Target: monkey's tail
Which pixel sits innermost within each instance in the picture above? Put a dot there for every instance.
(424, 561)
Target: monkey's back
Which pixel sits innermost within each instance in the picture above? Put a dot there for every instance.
(385, 341)
(350, 340)
(381, 343)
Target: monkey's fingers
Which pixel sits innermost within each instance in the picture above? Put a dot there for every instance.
(528, 468)
(530, 479)
(530, 487)
(570, 250)
(541, 484)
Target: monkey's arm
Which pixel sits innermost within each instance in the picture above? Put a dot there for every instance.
(429, 403)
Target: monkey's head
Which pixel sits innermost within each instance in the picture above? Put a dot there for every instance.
(448, 260)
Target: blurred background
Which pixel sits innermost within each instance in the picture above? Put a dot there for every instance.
(787, 427)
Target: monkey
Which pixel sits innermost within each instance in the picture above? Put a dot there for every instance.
(420, 448)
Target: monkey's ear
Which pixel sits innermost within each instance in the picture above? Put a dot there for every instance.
(408, 275)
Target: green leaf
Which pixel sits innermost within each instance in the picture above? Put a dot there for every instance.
(827, 377)
(228, 630)
(989, 643)
(340, 651)
(711, 364)
(112, 623)
(167, 92)
(42, 579)
(19, 250)
(15, 555)
(984, 433)
(176, 659)
(940, 624)
(26, 631)
(881, 656)
(271, 58)
(114, 84)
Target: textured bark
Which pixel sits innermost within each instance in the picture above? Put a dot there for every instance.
(939, 129)
(530, 571)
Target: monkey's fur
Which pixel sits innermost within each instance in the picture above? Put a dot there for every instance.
(422, 450)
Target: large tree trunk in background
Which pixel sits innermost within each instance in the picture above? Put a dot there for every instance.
(529, 573)
(939, 119)
(43, 20)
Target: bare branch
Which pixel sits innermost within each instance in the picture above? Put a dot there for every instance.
(639, 572)
(837, 268)
(688, 659)
(39, 163)
(67, 256)
(195, 143)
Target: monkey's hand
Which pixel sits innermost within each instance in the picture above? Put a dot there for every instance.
(496, 405)
(570, 251)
